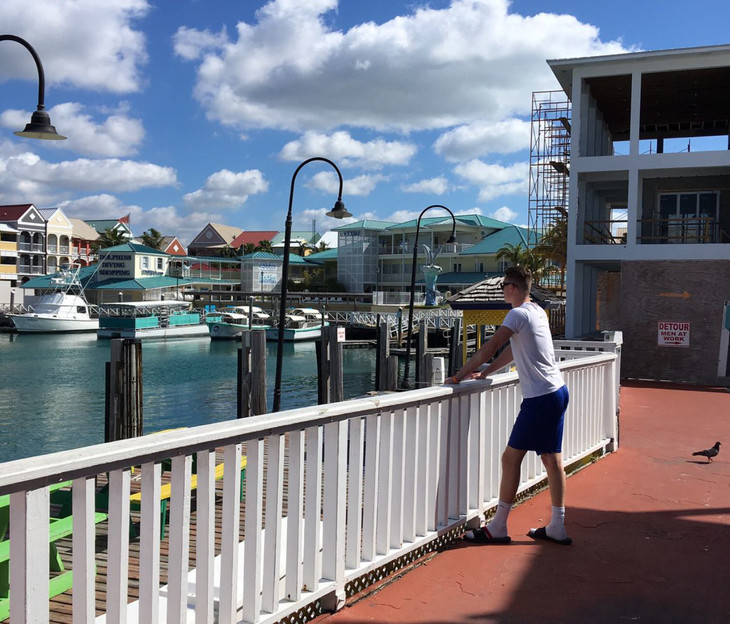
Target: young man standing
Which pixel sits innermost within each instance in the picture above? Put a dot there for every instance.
(539, 425)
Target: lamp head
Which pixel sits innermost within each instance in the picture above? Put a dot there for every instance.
(40, 127)
(339, 211)
(452, 239)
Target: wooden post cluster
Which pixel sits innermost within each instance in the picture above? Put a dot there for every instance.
(123, 405)
(330, 374)
(251, 398)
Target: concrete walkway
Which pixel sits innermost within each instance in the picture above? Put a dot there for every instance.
(651, 541)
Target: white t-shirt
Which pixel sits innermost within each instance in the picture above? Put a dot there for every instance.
(532, 348)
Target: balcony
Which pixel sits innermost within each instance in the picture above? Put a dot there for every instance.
(407, 249)
(26, 269)
(365, 483)
(674, 230)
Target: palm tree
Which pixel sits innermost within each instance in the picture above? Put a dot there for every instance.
(265, 245)
(110, 238)
(152, 238)
(518, 255)
(249, 248)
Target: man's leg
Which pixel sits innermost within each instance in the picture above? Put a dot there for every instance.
(511, 464)
(553, 463)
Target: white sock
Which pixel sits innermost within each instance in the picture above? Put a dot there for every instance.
(556, 528)
(498, 525)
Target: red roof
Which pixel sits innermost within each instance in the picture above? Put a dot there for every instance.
(13, 212)
(252, 237)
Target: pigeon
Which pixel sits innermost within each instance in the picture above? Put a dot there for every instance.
(710, 452)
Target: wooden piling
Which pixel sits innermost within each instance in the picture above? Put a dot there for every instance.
(123, 404)
(454, 363)
(337, 391)
(392, 373)
(382, 354)
(251, 396)
(421, 349)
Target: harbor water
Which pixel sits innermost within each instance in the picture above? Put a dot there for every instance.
(52, 386)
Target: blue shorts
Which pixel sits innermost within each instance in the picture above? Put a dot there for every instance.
(539, 425)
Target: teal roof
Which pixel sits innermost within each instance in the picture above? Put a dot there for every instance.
(491, 244)
(141, 283)
(134, 248)
(261, 255)
(366, 224)
(296, 259)
(322, 256)
(468, 220)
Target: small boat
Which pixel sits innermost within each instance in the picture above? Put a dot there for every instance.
(62, 307)
(300, 324)
(150, 319)
(230, 322)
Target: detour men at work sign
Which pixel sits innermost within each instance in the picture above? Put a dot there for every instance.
(673, 334)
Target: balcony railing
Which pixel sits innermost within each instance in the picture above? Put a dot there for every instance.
(366, 482)
(26, 269)
(452, 248)
(677, 230)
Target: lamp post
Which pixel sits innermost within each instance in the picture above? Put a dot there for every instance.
(405, 384)
(338, 212)
(40, 122)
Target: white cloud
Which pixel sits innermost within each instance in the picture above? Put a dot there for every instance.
(190, 44)
(432, 186)
(505, 214)
(26, 177)
(480, 138)
(345, 151)
(117, 135)
(433, 68)
(227, 189)
(165, 219)
(329, 182)
(494, 180)
(88, 44)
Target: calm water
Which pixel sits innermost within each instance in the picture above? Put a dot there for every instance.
(52, 387)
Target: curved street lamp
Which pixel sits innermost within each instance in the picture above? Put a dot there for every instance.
(40, 122)
(338, 212)
(405, 385)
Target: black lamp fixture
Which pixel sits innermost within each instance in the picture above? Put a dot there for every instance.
(40, 123)
(338, 212)
(406, 384)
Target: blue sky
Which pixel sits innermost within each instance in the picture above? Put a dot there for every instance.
(184, 112)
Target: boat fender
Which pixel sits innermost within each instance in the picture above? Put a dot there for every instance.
(215, 328)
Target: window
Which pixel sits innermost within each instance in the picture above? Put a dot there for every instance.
(145, 262)
(159, 264)
(689, 217)
(457, 267)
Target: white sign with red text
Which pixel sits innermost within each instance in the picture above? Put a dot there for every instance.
(673, 334)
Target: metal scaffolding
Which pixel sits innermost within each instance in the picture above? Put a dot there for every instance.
(549, 161)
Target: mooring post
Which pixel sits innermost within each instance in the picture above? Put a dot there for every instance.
(421, 349)
(383, 352)
(124, 411)
(454, 350)
(251, 397)
(337, 391)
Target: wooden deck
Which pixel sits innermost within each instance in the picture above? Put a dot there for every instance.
(61, 605)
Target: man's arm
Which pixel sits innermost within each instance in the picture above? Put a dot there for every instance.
(485, 353)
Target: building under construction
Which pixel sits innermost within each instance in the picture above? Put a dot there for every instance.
(549, 161)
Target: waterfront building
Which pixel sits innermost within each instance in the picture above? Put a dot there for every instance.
(59, 231)
(83, 237)
(649, 208)
(172, 245)
(376, 256)
(8, 261)
(31, 228)
(120, 225)
(214, 240)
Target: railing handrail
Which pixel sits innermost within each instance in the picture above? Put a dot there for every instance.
(42, 470)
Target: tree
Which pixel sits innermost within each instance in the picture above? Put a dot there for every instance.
(110, 238)
(152, 238)
(265, 245)
(527, 257)
(249, 248)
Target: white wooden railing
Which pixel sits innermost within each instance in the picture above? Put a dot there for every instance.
(384, 476)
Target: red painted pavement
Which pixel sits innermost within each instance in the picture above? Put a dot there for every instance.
(651, 541)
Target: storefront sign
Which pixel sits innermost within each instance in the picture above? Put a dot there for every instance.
(673, 334)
